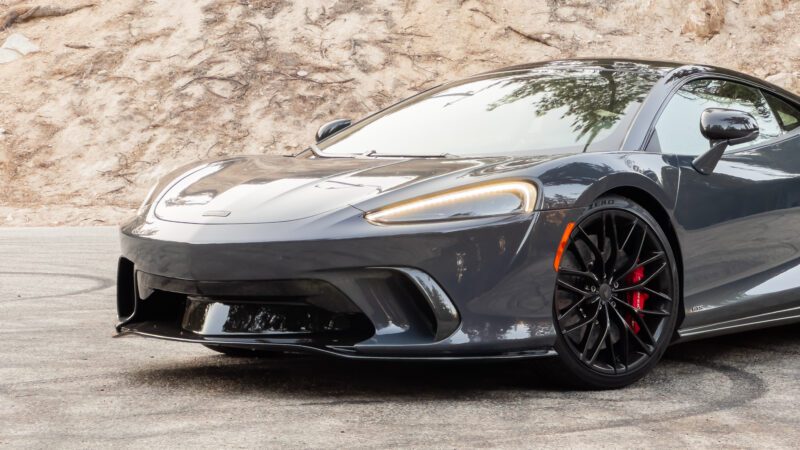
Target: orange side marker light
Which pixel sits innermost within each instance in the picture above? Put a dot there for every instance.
(563, 245)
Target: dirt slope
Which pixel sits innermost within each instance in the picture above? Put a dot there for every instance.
(123, 91)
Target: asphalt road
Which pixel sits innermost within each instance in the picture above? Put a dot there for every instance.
(64, 382)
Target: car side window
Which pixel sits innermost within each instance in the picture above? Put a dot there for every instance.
(678, 128)
(788, 115)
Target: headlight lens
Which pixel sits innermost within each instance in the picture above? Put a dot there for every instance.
(484, 200)
(148, 200)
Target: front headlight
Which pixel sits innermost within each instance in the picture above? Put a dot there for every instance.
(483, 200)
(148, 200)
(164, 182)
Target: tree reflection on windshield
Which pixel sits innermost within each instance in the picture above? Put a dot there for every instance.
(592, 101)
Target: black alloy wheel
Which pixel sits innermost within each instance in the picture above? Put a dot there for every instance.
(616, 299)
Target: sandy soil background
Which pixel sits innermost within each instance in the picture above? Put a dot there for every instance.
(123, 91)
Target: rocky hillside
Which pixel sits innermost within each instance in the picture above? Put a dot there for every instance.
(120, 92)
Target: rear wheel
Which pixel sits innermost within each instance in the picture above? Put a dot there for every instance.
(616, 298)
(238, 352)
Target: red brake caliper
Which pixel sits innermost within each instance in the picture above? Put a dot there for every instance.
(636, 298)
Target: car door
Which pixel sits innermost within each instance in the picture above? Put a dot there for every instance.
(739, 227)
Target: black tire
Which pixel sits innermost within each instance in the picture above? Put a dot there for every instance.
(239, 352)
(616, 299)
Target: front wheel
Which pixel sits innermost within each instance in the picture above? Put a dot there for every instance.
(617, 296)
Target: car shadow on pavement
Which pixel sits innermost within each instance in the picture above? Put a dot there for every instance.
(325, 376)
(329, 379)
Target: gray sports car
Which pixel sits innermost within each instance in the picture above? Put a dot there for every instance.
(590, 211)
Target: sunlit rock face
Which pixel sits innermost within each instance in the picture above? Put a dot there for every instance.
(125, 92)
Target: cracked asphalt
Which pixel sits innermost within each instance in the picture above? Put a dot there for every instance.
(64, 382)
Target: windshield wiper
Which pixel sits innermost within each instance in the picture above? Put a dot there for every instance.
(375, 154)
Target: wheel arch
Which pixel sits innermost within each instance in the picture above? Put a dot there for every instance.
(656, 209)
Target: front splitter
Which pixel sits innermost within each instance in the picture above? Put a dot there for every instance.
(152, 330)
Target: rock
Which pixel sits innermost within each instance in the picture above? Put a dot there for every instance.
(566, 14)
(15, 47)
(20, 44)
(782, 79)
(704, 18)
(6, 56)
(302, 73)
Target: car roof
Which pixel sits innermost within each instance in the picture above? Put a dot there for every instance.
(640, 65)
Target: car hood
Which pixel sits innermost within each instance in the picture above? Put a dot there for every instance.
(262, 189)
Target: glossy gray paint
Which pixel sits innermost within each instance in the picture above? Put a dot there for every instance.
(736, 230)
(488, 268)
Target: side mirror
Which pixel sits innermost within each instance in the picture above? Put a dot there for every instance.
(332, 128)
(723, 127)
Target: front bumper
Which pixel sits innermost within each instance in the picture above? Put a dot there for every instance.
(474, 289)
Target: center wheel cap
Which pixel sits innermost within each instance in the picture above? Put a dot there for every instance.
(605, 292)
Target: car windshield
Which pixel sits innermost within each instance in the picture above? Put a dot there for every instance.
(536, 112)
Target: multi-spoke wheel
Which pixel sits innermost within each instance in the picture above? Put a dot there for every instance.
(616, 297)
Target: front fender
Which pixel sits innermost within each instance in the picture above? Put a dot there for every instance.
(577, 182)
